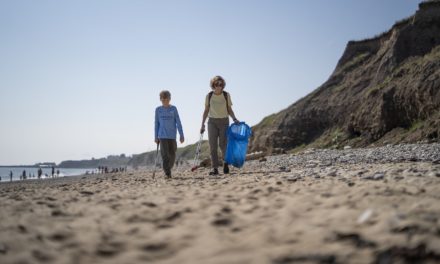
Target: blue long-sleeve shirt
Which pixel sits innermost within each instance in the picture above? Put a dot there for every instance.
(167, 122)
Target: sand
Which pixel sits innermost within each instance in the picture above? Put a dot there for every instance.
(327, 213)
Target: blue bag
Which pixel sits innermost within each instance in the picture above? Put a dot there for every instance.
(238, 139)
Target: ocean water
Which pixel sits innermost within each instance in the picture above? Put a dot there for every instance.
(33, 171)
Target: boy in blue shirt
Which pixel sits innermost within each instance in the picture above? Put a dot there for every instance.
(167, 122)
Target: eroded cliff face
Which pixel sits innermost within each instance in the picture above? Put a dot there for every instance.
(383, 89)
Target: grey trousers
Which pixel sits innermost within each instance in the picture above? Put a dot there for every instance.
(168, 149)
(217, 132)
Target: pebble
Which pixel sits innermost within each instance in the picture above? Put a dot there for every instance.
(375, 177)
(387, 154)
(378, 176)
(282, 168)
(332, 173)
(326, 164)
(294, 177)
(365, 216)
(434, 174)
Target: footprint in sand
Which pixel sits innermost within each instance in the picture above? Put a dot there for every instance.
(157, 250)
(223, 221)
(139, 219)
(173, 216)
(22, 229)
(42, 256)
(354, 238)
(418, 254)
(109, 249)
(154, 247)
(312, 258)
(61, 236)
(86, 193)
(58, 213)
(149, 204)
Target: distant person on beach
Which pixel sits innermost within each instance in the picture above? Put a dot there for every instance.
(40, 172)
(58, 173)
(24, 175)
(166, 124)
(10, 175)
(218, 106)
(53, 171)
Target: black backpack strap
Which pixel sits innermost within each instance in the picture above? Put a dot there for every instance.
(209, 99)
(225, 94)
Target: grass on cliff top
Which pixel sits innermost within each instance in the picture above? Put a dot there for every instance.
(267, 121)
(384, 33)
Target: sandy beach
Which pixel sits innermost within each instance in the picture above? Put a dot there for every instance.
(281, 209)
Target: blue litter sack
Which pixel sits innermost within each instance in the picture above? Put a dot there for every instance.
(238, 139)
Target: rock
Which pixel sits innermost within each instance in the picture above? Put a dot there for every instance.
(434, 174)
(309, 151)
(378, 176)
(325, 164)
(311, 165)
(292, 178)
(332, 173)
(347, 147)
(284, 168)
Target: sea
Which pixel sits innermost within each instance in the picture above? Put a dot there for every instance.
(32, 172)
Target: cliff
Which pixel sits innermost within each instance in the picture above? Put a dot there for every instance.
(383, 90)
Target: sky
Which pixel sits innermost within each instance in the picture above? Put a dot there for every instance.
(81, 79)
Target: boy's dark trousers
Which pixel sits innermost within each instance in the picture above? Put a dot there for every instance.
(168, 149)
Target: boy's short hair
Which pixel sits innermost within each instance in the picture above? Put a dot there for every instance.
(217, 79)
(165, 94)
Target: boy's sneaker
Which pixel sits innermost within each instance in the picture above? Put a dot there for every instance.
(225, 168)
(214, 172)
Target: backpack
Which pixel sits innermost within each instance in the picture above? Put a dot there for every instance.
(225, 94)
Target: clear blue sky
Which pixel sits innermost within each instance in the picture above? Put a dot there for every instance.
(81, 79)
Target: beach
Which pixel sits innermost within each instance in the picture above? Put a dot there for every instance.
(376, 205)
